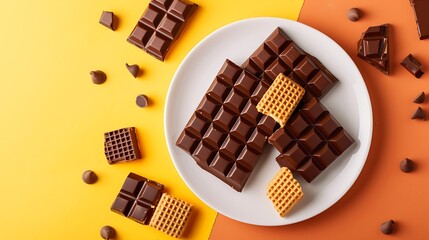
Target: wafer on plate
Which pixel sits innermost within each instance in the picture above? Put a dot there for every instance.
(284, 191)
(281, 99)
(171, 215)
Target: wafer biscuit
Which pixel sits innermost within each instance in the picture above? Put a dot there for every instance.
(281, 99)
(284, 191)
(171, 215)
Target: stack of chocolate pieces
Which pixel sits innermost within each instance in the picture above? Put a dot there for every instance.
(226, 135)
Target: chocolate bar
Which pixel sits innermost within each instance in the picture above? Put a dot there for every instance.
(311, 141)
(138, 198)
(421, 14)
(373, 47)
(160, 26)
(279, 54)
(226, 134)
(412, 65)
(121, 145)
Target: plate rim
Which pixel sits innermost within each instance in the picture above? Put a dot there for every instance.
(366, 99)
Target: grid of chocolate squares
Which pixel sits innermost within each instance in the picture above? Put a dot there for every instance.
(279, 82)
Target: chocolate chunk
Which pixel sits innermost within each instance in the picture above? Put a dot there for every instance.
(354, 14)
(421, 14)
(121, 145)
(226, 135)
(418, 114)
(89, 177)
(387, 227)
(279, 54)
(373, 47)
(311, 140)
(161, 25)
(138, 198)
(109, 20)
(98, 77)
(134, 69)
(412, 65)
(142, 101)
(420, 98)
(407, 165)
(108, 232)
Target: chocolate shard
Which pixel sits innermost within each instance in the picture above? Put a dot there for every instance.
(407, 165)
(420, 98)
(421, 15)
(134, 69)
(387, 227)
(373, 47)
(418, 114)
(412, 65)
(109, 20)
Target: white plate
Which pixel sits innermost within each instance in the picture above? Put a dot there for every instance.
(348, 101)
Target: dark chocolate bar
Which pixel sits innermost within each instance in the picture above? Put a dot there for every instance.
(226, 134)
(138, 198)
(279, 54)
(121, 145)
(160, 26)
(310, 141)
(373, 47)
(421, 15)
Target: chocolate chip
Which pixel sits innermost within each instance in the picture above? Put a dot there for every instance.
(109, 20)
(354, 14)
(420, 98)
(89, 177)
(98, 77)
(407, 165)
(387, 227)
(134, 69)
(142, 101)
(418, 114)
(107, 232)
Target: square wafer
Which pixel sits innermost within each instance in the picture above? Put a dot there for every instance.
(284, 191)
(281, 99)
(171, 215)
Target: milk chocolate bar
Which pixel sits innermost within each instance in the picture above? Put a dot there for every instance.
(421, 14)
(311, 141)
(279, 54)
(160, 26)
(226, 135)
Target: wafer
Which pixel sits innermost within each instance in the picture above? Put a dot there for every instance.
(171, 215)
(284, 191)
(281, 99)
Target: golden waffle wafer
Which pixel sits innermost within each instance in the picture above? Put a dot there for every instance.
(284, 191)
(171, 215)
(281, 99)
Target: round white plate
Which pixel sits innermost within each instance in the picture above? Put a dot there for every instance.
(348, 101)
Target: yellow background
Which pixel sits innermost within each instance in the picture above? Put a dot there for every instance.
(53, 117)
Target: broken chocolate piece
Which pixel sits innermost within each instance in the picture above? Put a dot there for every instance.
(420, 98)
(412, 65)
(387, 227)
(134, 69)
(418, 114)
(109, 20)
(354, 14)
(373, 47)
(421, 14)
(407, 165)
(98, 77)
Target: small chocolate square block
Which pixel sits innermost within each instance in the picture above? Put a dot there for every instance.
(160, 26)
(121, 145)
(311, 140)
(138, 198)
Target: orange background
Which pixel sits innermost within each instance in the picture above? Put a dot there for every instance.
(382, 191)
